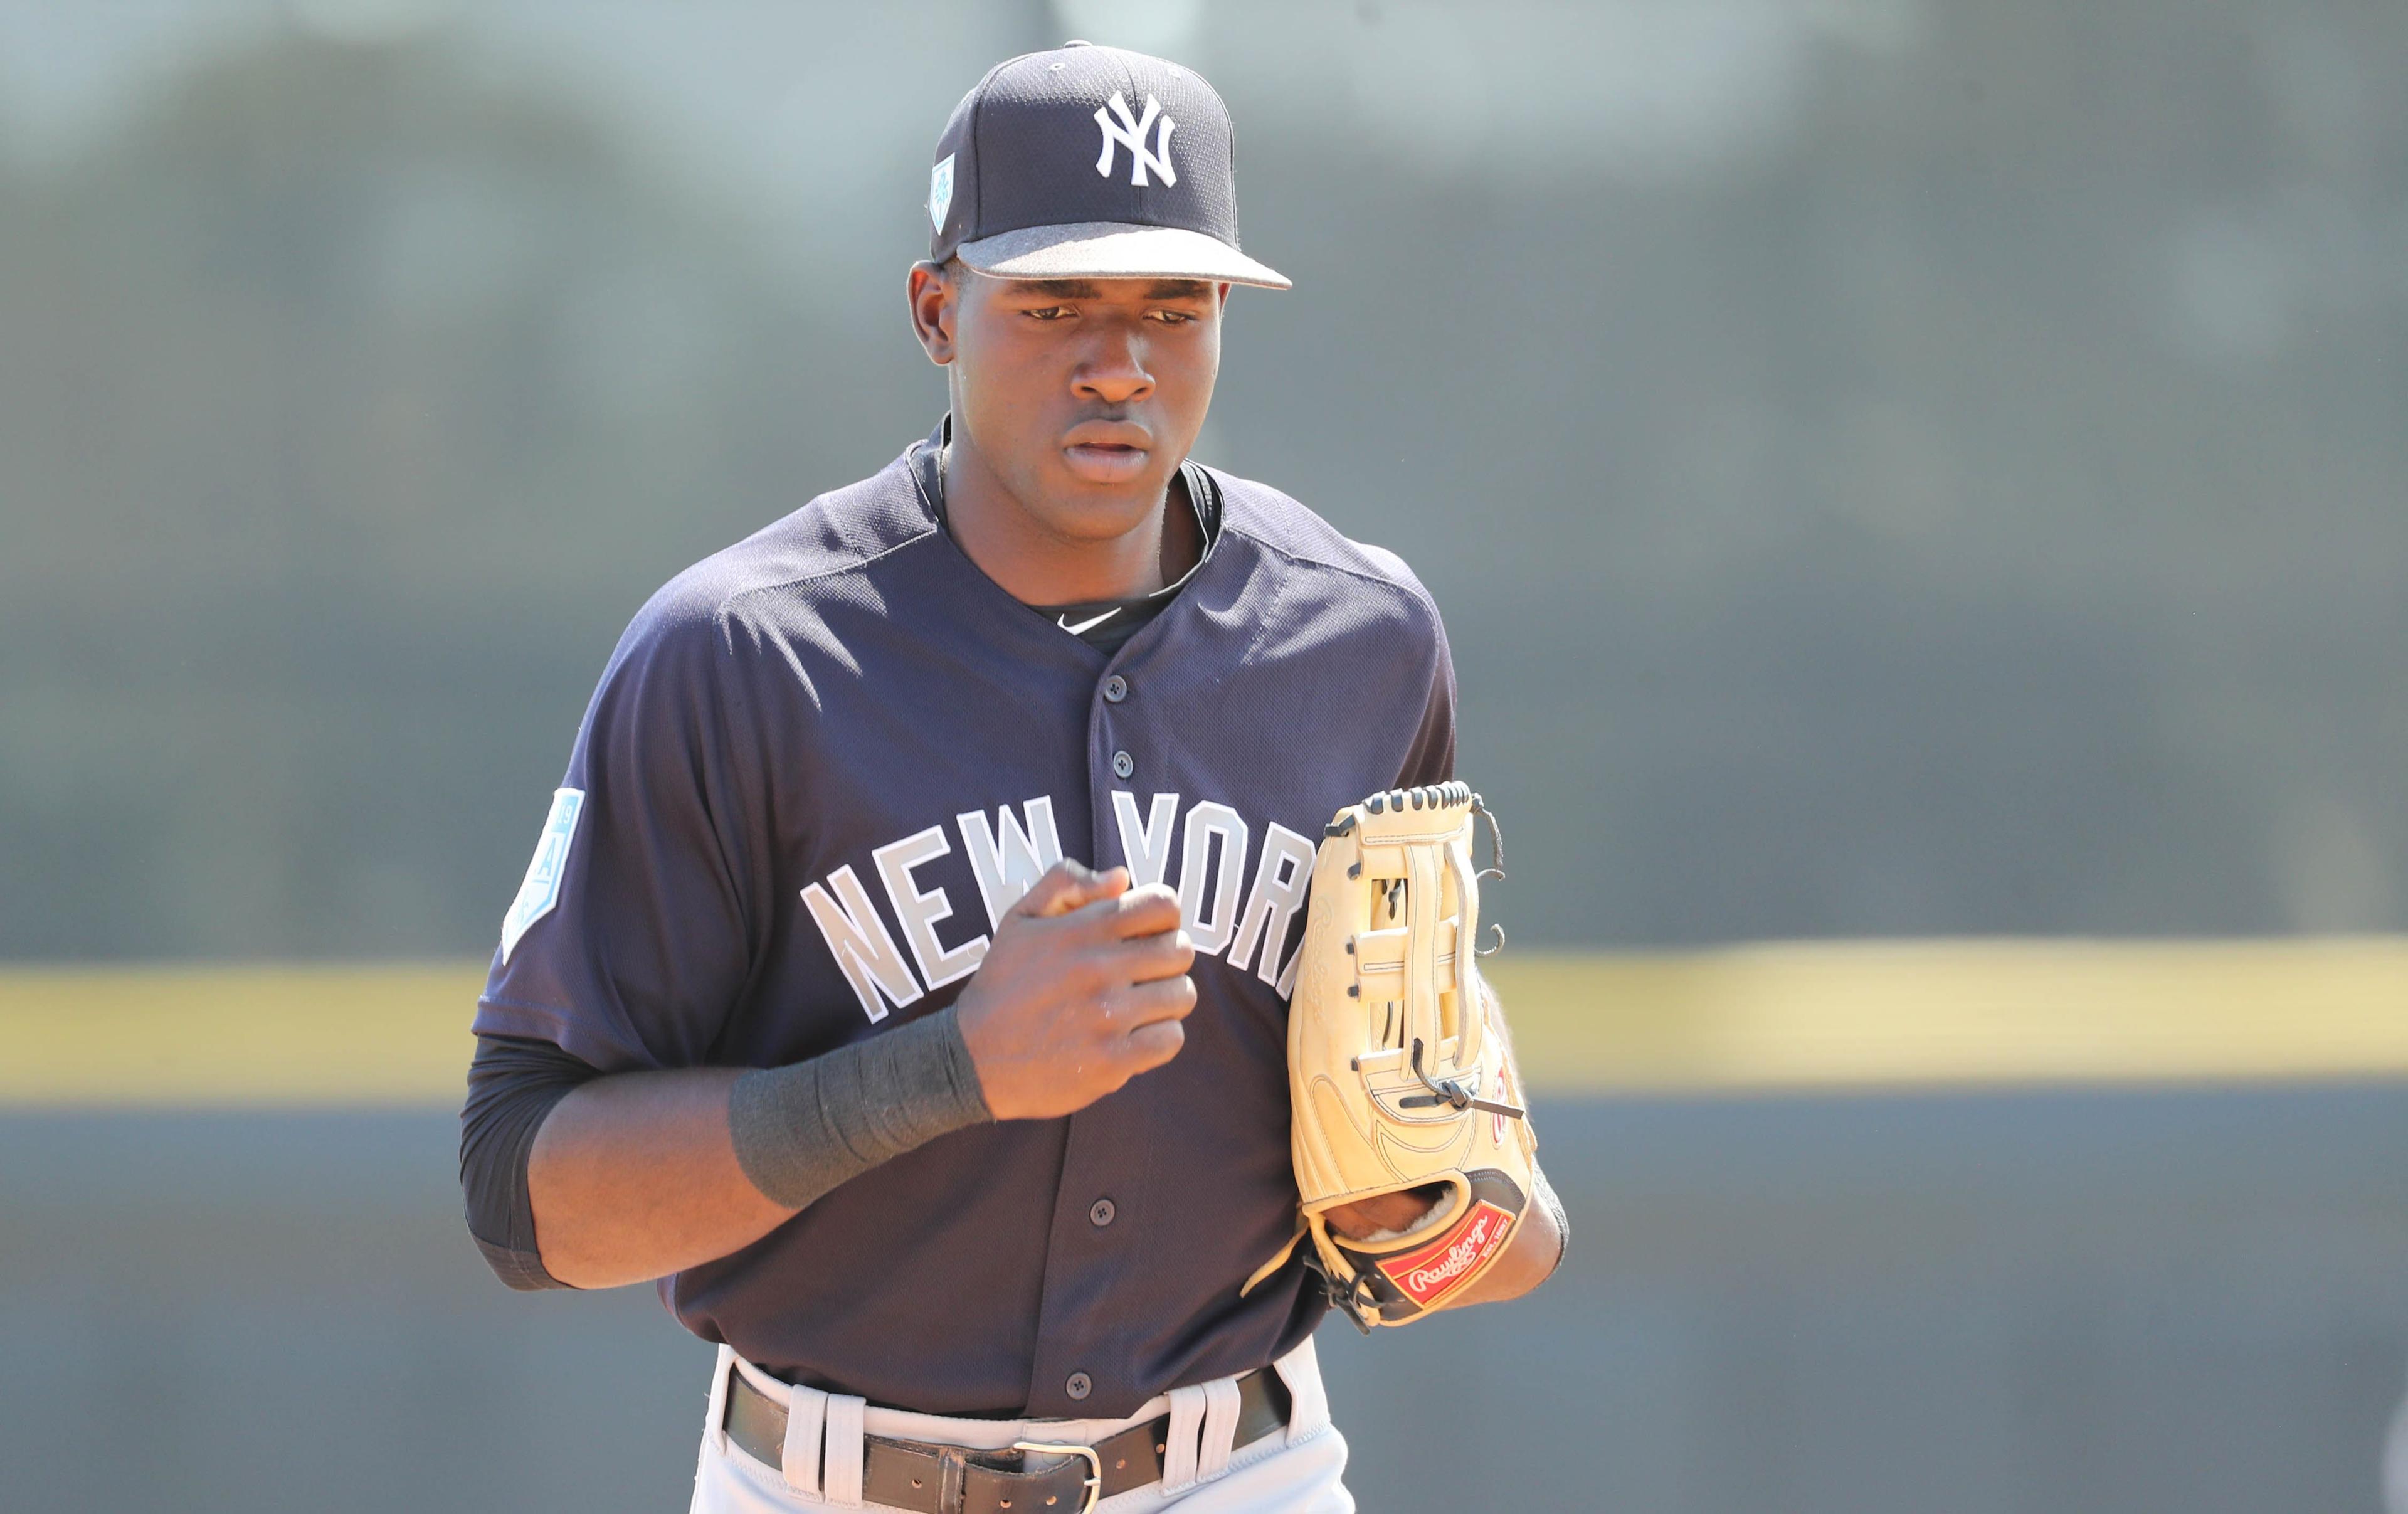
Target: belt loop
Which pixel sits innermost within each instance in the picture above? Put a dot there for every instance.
(714, 1417)
(1220, 1434)
(1308, 1400)
(1179, 1447)
(806, 1413)
(952, 1480)
(841, 1480)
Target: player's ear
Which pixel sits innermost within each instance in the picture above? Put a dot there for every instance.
(934, 295)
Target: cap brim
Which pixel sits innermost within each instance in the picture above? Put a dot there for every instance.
(1115, 250)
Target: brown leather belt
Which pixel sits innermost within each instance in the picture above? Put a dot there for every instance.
(1031, 1478)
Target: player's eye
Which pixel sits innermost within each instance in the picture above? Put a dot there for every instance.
(1173, 318)
(1049, 313)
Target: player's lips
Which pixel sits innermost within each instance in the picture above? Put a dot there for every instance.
(1107, 452)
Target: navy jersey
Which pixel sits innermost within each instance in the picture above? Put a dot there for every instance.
(820, 766)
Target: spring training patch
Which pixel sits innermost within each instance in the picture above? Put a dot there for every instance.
(540, 891)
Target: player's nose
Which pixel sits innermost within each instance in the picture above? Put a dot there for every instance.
(1113, 369)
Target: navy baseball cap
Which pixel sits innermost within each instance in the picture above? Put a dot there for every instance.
(1091, 163)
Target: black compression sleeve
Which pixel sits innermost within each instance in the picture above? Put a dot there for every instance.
(513, 1086)
(801, 1130)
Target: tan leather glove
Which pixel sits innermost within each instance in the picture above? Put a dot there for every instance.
(1397, 1064)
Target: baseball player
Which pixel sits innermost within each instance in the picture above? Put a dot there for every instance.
(903, 976)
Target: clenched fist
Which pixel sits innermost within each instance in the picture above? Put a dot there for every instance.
(1083, 988)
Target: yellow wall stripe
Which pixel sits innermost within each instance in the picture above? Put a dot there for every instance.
(1855, 1015)
(1888, 1014)
(237, 1036)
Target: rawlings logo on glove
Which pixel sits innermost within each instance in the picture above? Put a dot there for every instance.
(1431, 1274)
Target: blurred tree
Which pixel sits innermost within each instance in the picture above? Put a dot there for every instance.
(349, 408)
(1925, 467)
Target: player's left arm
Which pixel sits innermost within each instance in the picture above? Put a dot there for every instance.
(1540, 1242)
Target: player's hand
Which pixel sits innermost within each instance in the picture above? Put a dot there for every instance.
(1366, 1217)
(1083, 988)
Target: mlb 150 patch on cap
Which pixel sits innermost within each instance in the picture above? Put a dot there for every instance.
(1091, 163)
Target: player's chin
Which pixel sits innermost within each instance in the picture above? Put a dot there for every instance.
(1084, 506)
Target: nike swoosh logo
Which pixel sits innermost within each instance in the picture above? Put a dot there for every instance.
(1085, 625)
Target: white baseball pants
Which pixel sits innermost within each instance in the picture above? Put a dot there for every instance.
(1301, 1472)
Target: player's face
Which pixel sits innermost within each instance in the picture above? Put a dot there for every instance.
(1084, 396)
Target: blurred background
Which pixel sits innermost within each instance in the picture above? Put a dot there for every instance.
(1919, 484)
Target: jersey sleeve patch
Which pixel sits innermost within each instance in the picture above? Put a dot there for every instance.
(540, 891)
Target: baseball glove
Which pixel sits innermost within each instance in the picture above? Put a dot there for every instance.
(1397, 1064)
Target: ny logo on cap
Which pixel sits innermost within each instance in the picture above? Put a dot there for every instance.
(1130, 133)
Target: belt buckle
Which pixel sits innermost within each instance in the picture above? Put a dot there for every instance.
(1095, 1466)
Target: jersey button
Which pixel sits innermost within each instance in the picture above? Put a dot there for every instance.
(1124, 764)
(1115, 689)
(1079, 1385)
(1100, 1213)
